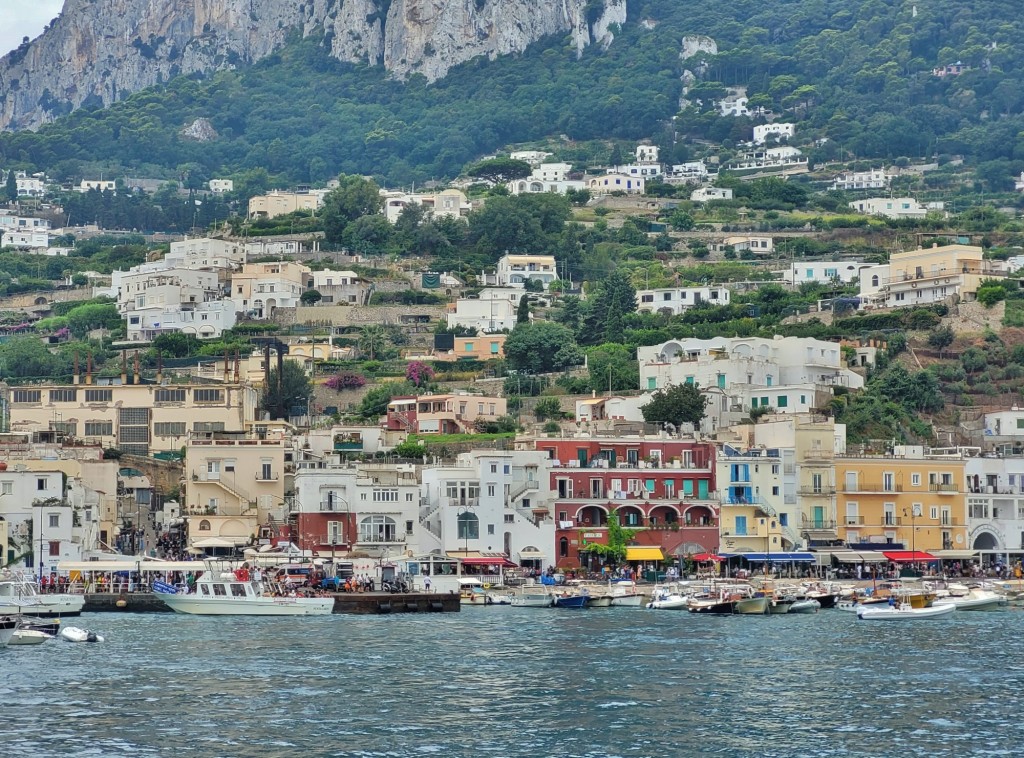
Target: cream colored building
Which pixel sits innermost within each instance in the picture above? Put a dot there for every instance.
(233, 484)
(139, 419)
(928, 275)
(282, 203)
(261, 288)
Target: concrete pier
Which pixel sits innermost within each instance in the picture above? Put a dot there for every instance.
(346, 602)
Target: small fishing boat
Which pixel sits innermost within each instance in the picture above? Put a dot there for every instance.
(570, 601)
(8, 626)
(533, 597)
(28, 637)
(903, 611)
(599, 601)
(634, 600)
(974, 600)
(74, 634)
(667, 599)
(777, 606)
(809, 605)
(751, 606)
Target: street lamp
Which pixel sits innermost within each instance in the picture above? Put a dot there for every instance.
(915, 511)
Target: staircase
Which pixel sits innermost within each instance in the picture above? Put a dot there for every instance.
(245, 503)
(527, 486)
(404, 420)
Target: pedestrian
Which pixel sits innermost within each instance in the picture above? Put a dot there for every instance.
(426, 583)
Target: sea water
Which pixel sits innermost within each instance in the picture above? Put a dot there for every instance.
(502, 681)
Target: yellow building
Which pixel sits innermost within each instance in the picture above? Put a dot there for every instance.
(910, 497)
(139, 419)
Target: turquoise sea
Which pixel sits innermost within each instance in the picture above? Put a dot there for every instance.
(500, 681)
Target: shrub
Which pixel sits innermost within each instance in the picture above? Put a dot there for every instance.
(345, 380)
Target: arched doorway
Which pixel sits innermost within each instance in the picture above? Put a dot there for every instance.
(986, 541)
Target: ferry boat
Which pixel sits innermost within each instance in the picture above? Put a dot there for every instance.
(19, 595)
(238, 594)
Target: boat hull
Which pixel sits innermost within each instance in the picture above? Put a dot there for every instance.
(669, 604)
(270, 606)
(751, 606)
(572, 601)
(8, 626)
(532, 601)
(28, 637)
(779, 607)
(904, 613)
(599, 602)
(805, 606)
(715, 609)
(627, 601)
(993, 603)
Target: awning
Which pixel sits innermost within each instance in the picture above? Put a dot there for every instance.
(706, 558)
(644, 554)
(135, 565)
(531, 554)
(909, 556)
(488, 561)
(219, 542)
(859, 556)
(774, 557)
(955, 555)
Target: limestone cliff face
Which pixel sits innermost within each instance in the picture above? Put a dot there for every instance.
(98, 51)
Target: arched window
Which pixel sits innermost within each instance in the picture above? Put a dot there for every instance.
(468, 526)
(204, 526)
(874, 280)
(377, 529)
(563, 548)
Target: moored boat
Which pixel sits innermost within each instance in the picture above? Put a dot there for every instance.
(751, 606)
(19, 594)
(809, 605)
(570, 601)
(28, 637)
(533, 597)
(627, 601)
(779, 605)
(974, 600)
(8, 626)
(903, 611)
(74, 634)
(599, 601)
(237, 593)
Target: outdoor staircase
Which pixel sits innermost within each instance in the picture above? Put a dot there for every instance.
(528, 486)
(245, 503)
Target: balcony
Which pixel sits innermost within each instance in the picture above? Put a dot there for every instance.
(380, 539)
(853, 521)
(872, 487)
(262, 476)
(822, 491)
(465, 502)
(332, 506)
(944, 489)
(751, 500)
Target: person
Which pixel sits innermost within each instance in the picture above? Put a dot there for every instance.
(892, 601)
(426, 583)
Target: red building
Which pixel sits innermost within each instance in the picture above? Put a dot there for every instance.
(664, 486)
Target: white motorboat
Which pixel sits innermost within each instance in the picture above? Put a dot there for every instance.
(666, 599)
(634, 600)
(28, 637)
(533, 597)
(751, 606)
(237, 594)
(8, 626)
(74, 634)
(974, 600)
(903, 611)
(810, 605)
(19, 594)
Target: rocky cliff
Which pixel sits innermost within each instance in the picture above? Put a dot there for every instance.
(98, 51)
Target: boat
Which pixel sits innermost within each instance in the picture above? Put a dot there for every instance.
(236, 593)
(46, 626)
(20, 595)
(624, 594)
(751, 606)
(666, 599)
(599, 601)
(74, 634)
(974, 600)
(533, 597)
(570, 601)
(8, 626)
(808, 605)
(779, 605)
(473, 592)
(903, 611)
(28, 637)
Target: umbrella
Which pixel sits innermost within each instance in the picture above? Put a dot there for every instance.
(707, 558)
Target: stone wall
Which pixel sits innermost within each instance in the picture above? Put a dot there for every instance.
(165, 476)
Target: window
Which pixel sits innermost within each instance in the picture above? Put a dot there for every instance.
(218, 589)
(490, 529)
(783, 519)
(852, 514)
(170, 396)
(204, 526)
(6, 488)
(494, 348)
(469, 347)
(68, 428)
(389, 495)
(213, 470)
(782, 401)
(208, 426)
(41, 484)
(775, 491)
(408, 527)
(208, 396)
(54, 547)
(169, 429)
(26, 396)
(468, 526)
(238, 590)
(563, 548)
(99, 396)
(933, 513)
(510, 518)
(507, 468)
(915, 480)
(99, 428)
(494, 468)
(377, 529)
(490, 490)
(63, 396)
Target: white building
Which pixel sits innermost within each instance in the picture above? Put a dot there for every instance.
(493, 310)
(784, 157)
(34, 504)
(877, 178)
(156, 299)
(890, 207)
(780, 131)
(606, 184)
(706, 194)
(646, 170)
(787, 374)
(676, 300)
(734, 103)
(825, 272)
(25, 240)
(12, 222)
(552, 172)
(694, 172)
(533, 157)
(449, 203)
(514, 270)
(103, 185)
(995, 502)
(491, 502)
(220, 186)
(533, 186)
(30, 186)
(646, 154)
(206, 253)
(341, 287)
(753, 243)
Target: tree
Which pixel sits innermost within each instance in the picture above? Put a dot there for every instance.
(613, 367)
(540, 347)
(615, 300)
(676, 404)
(176, 344)
(12, 186)
(614, 552)
(941, 338)
(290, 390)
(375, 402)
(523, 313)
(310, 297)
(368, 235)
(375, 342)
(681, 221)
(353, 198)
(500, 170)
(548, 408)
(27, 357)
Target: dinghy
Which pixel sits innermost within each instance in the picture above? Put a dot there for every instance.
(29, 637)
(74, 634)
(902, 611)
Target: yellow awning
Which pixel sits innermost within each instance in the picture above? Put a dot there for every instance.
(644, 554)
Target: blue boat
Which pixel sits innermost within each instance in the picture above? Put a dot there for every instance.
(571, 601)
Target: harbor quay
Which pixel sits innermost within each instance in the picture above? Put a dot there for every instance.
(349, 603)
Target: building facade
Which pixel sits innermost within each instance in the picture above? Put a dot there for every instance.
(676, 300)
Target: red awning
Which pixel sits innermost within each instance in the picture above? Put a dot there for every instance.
(909, 556)
(489, 561)
(706, 557)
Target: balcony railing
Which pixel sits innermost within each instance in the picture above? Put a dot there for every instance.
(463, 502)
(734, 500)
(265, 477)
(872, 487)
(332, 506)
(812, 523)
(377, 539)
(947, 489)
(822, 491)
(854, 521)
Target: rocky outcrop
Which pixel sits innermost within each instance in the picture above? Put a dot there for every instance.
(98, 51)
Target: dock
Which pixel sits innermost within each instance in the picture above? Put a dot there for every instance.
(344, 602)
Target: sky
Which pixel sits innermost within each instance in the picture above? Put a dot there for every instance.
(24, 18)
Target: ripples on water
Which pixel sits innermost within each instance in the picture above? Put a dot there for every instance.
(519, 682)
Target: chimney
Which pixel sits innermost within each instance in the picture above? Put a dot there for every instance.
(77, 379)
(124, 367)
(88, 369)
(135, 369)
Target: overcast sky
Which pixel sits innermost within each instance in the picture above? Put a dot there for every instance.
(24, 18)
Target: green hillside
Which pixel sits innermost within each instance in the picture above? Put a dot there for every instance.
(857, 73)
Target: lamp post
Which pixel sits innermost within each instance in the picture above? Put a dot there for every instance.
(915, 511)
